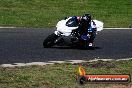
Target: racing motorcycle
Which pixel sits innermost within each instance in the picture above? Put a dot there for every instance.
(66, 31)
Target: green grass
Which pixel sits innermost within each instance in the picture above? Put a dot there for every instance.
(61, 75)
(46, 13)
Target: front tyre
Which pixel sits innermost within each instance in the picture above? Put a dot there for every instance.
(50, 41)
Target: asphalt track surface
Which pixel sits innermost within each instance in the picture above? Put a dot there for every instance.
(22, 45)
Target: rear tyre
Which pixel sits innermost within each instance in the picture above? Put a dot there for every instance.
(50, 41)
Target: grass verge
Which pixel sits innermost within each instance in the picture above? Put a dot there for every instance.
(46, 13)
(61, 75)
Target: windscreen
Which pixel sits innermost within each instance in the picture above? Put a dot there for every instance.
(72, 22)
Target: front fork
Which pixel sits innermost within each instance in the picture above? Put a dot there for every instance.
(57, 33)
(60, 39)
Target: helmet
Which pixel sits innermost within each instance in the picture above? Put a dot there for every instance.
(86, 18)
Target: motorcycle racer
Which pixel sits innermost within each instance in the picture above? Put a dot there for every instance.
(75, 31)
(87, 28)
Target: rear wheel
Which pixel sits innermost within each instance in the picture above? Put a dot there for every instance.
(50, 41)
(83, 44)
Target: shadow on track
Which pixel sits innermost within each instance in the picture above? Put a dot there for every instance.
(76, 48)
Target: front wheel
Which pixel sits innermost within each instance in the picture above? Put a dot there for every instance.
(50, 41)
